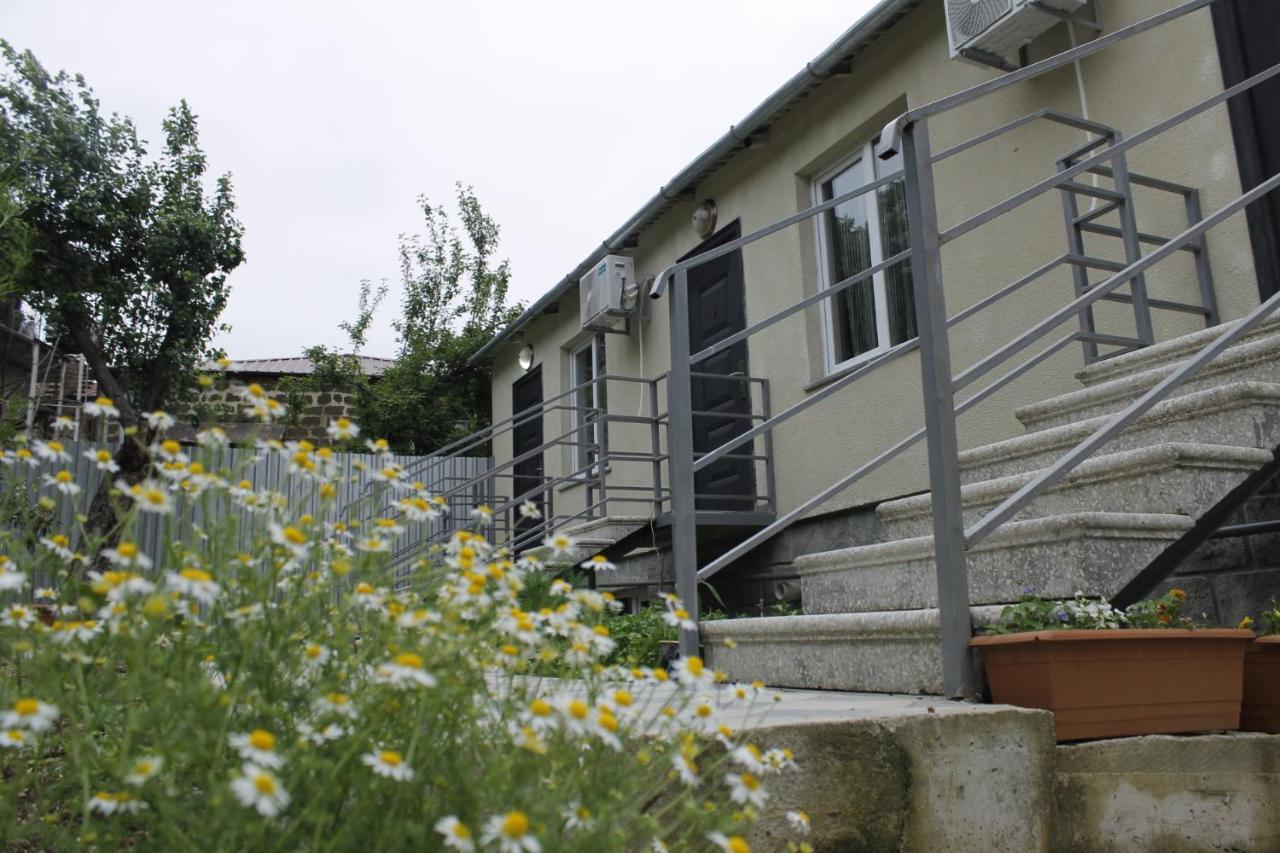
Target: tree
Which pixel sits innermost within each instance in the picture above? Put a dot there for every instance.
(454, 301)
(130, 257)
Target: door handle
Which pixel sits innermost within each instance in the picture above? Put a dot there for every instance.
(743, 385)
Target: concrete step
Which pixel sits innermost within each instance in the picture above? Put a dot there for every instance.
(1168, 352)
(1097, 552)
(1257, 359)
(1184, 479)
(1244, 414)
(893, 652)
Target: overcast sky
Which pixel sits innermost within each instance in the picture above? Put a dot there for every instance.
(566, 116)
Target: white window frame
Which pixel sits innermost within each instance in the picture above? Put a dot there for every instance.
(826, 273)
(578, 456)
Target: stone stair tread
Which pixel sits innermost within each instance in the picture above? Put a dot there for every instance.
(1129, 386)
(1110, 466)
(1068, 435)
(1047, 528)
(1167, 352)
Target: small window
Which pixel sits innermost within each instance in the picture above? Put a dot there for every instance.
(852, 237)
(587, 364)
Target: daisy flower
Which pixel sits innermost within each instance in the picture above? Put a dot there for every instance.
(127, 555)
(686, 769)
(388, 763)
(260, 789)
(194, 583)
(529, 510)
(10, 577)
(691, 672)
(729, 844)
(258, 747)
(315, 655)
(118, 586)
(577, 816)
(483, 514)
(373, 545)
(105, 802)
(746, 788)
(749, 756)
(419, 509)
(289, 537)
(63, 481)
(511, 833)
(404, 671)
(335, 703)
(342, 429)
(455, 833)
(143, 769)
(17, 616)
(14, 738)
(599, 563)
(561, 544)
(52, 451)
(102, 407)
(30, 714)
(799, 821)
(103, 460)
(59, 544)
(212, 437)
(159, 420)
(149, 495)
(62, 423)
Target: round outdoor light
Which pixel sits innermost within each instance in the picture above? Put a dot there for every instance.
(525, 358)
(704, 218)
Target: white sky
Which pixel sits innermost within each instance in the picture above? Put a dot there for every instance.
(566, 116)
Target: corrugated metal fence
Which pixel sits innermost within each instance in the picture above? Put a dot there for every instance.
(356, 498)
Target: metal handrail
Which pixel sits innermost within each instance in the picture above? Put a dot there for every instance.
(908, 135)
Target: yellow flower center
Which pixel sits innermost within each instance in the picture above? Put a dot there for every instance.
(255, 390)
(460, 831)
(390, 757)
(265, 783)
(155, 497)
(408, 659)
(338, 698)
(737, 845)
(750, 782)
(26, 707)
(198, 575)
(539, 707)
(60, 540)
(262, 739)
(55, 446)
(578, 709)
(143, 768)
(313, 652)
(294, 536)
(695, 666)
(127, 550)
(104, 401)
(63, 477)
(515, 825)
(171, 447)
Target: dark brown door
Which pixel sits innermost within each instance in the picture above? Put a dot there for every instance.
(722, 407)
(526, 393)
(1248, 34)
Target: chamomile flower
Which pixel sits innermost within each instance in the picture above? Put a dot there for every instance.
(373, 545)
(577, 816)
(149, 495)
(106, 802)
(529, 510)
(404, 671)
(290, 537)
(677, 617)
(561, 544)
(799, 821)
(17, 616)
(455, 834)
(62, 423)
(729, 843)
(143, 769)
(102, 407)
(194, 583)
(388, 763)
(598, 563)
(160, 421)
(102, 460)
(257, 746)
(335, 703)
(260, 789)
(118, 586)
(14, 738)
(63, 481)
(749, 756)
(342, 429)
(315, 655)
(483, 514)
(686, 768)
(51, 451)
(10, 577)
(746, 788)
(31, 714)
(126, 555)
(511, 833)
(691, 672)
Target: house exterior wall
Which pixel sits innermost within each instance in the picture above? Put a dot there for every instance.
(1130, 86)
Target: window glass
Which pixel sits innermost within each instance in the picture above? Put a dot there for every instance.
(586, 364)
(895, 237)
(854, 310)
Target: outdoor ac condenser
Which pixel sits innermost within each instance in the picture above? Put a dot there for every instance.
(999, 27)
(602, 293)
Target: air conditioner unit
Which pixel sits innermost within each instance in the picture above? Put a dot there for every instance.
(998, 28)
(608, 294)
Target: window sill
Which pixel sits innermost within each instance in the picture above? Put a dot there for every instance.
(574, 482)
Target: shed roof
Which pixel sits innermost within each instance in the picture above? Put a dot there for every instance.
(300, 366)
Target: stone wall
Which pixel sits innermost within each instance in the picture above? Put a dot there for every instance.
(306, 421)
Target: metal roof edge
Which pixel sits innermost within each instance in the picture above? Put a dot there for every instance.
(884, 15)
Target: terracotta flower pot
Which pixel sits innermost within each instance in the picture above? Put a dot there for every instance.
(1114, 683)
(1261, 709)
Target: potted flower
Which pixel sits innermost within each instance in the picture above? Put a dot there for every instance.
(1261, 709)
(1110, 673)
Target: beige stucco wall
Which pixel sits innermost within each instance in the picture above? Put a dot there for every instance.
(1148, 79)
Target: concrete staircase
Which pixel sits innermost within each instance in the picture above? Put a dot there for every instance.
(871, 621)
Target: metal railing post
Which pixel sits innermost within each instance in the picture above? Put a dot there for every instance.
(958, 677)
(684, 527)
(1204, 274)
(1079, 275)
(1132, 245)
(655, 442)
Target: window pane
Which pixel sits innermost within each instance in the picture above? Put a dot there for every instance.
(895, 237)
(853, 310)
